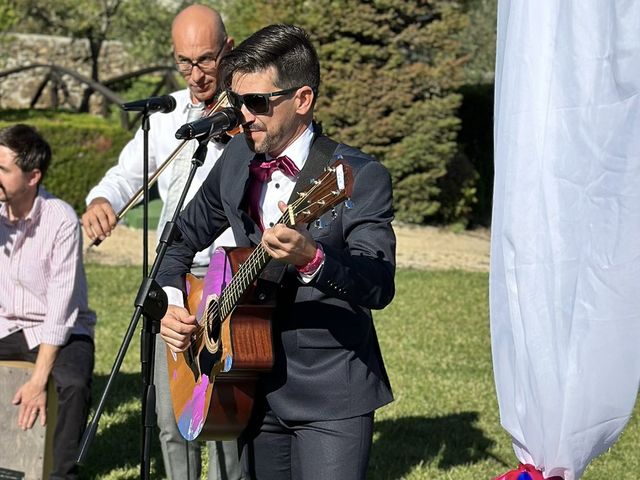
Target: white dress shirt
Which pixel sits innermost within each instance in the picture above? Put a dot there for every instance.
(281, 186)
(122, 180)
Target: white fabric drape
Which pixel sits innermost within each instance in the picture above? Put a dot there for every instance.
(565, 255)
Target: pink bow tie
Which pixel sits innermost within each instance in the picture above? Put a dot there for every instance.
(262, 171)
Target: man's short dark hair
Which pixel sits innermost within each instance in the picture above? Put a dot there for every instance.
(285, 47)
(31, 149)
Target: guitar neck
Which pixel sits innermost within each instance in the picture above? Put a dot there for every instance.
(244, 277)
(248, 272)
(333, 187)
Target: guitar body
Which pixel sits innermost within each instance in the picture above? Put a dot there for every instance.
(213, 382)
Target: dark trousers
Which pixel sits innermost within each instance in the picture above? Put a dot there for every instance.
(72, 373)
(274, 449)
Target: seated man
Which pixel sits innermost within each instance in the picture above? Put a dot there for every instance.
(44, 316)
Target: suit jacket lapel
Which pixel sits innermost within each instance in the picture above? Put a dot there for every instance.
(237, 181)
(320, 155)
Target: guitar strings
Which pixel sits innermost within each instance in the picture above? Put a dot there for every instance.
(255, 262)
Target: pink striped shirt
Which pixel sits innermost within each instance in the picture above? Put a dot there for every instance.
(43, 288)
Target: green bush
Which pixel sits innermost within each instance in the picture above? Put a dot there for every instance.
(390, 77)
(84, 147)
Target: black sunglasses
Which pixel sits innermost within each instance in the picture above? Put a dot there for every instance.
(256, 102)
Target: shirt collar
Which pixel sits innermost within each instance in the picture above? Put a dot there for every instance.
(298, 151)
(192, 106)
(33, 214)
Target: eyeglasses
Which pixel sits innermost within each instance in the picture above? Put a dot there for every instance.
(257, 103)
(206, 64)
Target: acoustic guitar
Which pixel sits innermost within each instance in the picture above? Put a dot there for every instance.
(213, 381)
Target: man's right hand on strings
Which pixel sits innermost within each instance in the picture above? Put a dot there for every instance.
(177, 327)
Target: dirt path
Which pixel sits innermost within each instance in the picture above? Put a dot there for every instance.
(418, 247)
(440, 249)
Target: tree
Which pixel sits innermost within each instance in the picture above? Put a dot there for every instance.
(390, 69)
(7, 20)
(7, 16)
(145, 30)
(243, 17)
(479, 41)
(475, 138)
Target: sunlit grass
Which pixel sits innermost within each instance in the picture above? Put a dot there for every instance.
(444, 423)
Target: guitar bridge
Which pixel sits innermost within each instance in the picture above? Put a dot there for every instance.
(191, 359)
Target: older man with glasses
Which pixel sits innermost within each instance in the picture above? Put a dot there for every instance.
(199, 42)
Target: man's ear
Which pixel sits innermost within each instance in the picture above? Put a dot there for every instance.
(34, 177)
(305, 99)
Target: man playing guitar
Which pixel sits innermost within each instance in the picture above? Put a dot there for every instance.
(313, 417)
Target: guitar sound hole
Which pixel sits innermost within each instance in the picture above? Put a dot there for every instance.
(208, 362)
(213, 334)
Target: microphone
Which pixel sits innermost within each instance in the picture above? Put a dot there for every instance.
(216, 124)
(163, 104)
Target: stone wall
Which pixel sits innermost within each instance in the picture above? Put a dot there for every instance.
(18, 50)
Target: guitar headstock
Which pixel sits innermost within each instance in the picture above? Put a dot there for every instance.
(327, 191)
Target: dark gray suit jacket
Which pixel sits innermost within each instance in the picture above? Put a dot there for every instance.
(328, 363)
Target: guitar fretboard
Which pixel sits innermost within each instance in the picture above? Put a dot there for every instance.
(323, 195)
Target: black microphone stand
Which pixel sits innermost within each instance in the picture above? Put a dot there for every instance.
(151, 322)
(151, 301)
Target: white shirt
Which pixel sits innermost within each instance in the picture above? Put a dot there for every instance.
(124, 179)
(281, 186)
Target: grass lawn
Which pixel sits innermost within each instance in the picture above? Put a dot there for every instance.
(134, 218)
(443, 424)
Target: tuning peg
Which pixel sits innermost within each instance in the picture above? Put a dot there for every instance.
(330, 168)
(348, 204)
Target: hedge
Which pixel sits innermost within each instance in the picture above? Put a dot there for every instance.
(84, 146)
